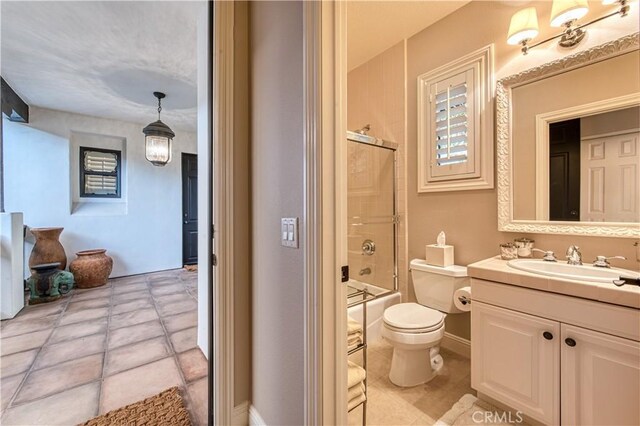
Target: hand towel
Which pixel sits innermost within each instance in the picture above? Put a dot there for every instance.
(352, 346)
(353, 326)
(355, 374)
(353, 342)
(354, 402)
(355, 391)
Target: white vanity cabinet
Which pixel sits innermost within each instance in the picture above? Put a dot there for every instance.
(558, 359)
(513, 362)
(600, 378)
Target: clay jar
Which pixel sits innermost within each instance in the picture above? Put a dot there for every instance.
(47, 248)
(91, 268)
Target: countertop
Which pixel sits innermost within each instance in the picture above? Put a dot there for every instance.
(497, 270)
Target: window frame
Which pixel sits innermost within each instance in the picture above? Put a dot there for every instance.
(478, 172)
(469, 168)
(117, 173)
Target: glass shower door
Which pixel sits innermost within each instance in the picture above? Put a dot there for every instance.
(372, 220)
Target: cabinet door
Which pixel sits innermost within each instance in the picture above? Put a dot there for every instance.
(515, 358)
(600, 378)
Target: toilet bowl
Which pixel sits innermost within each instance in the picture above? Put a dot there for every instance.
(415, 330)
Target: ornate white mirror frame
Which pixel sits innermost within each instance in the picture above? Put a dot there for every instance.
(504, 87)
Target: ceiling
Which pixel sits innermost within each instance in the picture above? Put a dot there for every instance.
(375, 26)
(104, 58)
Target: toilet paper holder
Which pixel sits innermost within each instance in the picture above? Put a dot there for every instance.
(464, 300)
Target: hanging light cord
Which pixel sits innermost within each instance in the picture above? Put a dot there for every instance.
(159, 108)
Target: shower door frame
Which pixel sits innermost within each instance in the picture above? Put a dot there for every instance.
(391, 146)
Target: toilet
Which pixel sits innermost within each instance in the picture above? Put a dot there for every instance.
(415, 330)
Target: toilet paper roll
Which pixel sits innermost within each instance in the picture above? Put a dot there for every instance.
(436, 363)
(462, 299)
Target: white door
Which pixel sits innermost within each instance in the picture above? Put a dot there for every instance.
(609, 168)
(515, 358)
(600, 378)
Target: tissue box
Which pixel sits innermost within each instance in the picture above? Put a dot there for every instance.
(439, 255)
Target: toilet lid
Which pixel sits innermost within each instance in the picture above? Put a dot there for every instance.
(411, 316)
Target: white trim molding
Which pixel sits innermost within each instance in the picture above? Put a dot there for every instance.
(325, 208)
(223, 205)
(481, 65)
(456, 344)
(255, 419)
(240, 415)
(504, 87)
(312, 213)
(542, 140)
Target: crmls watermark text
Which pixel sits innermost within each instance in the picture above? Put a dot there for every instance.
(488, 417)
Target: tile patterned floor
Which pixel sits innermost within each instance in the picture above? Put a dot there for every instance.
(389, 404)
(99, 349)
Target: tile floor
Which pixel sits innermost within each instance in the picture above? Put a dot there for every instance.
(389, 404)
(99, 349)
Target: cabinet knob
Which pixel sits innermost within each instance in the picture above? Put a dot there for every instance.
(547, 335)
(570, 342)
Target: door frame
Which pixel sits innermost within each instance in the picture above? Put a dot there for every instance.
(325, 246)
(183, 162)
(221, 339)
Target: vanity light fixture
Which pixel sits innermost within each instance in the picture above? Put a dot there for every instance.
(158, 138)
(564, 13)
(524, 26)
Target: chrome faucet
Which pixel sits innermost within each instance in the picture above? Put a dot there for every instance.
(603, 261)
(365, 271)
(548, 255)
(574, 257)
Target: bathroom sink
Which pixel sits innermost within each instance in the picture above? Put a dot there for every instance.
(571, 272)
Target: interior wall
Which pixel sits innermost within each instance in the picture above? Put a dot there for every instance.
(276, 59)
(627, 119)
(143, 237)
(469, 218)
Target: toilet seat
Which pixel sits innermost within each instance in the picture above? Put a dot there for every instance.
(412, 318)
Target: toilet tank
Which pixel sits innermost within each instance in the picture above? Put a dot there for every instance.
(434, 285)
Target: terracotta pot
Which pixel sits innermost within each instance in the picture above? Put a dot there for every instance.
(47, 248)
(92, 268)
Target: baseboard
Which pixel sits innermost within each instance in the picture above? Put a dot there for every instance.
(240, 414)
(456, 344)
(254, 417)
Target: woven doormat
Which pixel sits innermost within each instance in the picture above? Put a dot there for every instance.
(166, 408)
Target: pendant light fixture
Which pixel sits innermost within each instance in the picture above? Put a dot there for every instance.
(158, 138)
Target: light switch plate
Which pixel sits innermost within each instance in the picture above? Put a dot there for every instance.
(289, 232)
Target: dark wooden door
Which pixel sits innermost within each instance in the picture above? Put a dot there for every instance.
(189, 209)
(564, 170)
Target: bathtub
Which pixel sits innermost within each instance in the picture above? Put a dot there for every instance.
(375, 309)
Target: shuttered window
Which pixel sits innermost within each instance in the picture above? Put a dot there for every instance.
(451, 129)
(99, 173)
(455, 135)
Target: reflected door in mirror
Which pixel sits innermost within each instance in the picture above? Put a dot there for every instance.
(564, 170)
(610, 188)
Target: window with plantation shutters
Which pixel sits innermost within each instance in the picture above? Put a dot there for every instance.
(455, 144)
(452, 125)
(99, 173)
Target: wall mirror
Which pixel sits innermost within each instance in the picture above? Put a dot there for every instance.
(568, 140)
